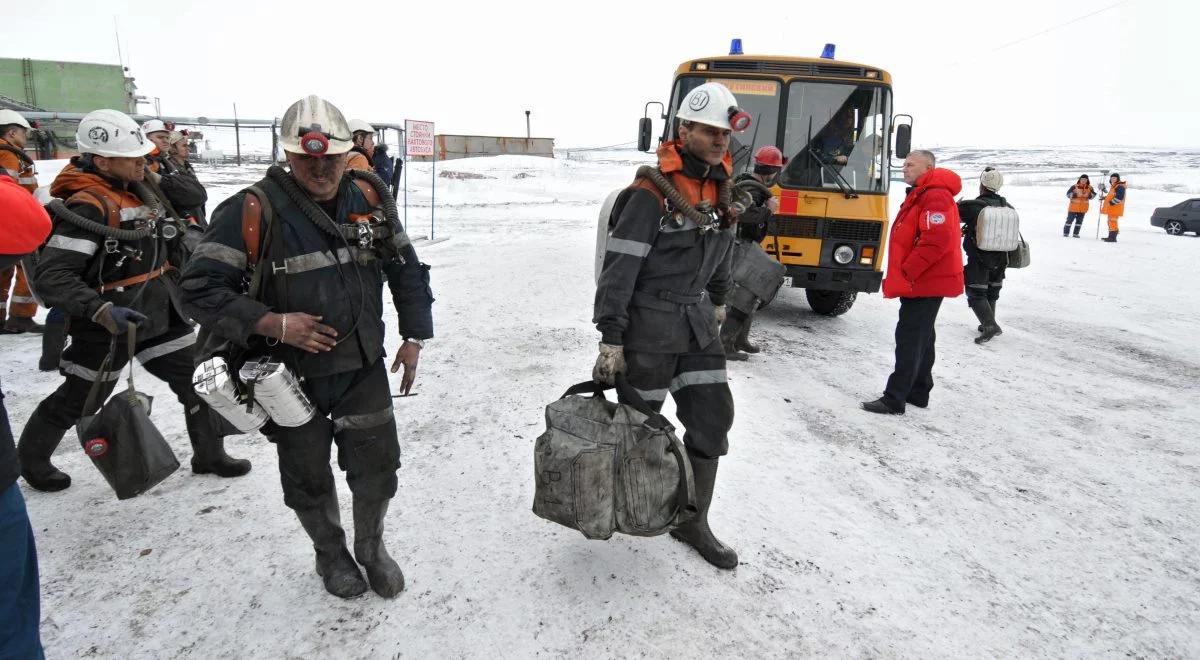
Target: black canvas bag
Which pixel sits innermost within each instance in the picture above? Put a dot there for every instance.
(120, 438)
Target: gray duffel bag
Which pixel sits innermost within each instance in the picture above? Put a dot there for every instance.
(603, 467)
(756, 275)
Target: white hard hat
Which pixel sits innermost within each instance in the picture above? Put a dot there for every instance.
(10, 117)
(357, 125)
(713, 104)
(318, 120)
(112, 134)
(154, 126)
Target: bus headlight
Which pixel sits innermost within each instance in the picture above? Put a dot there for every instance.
(843, 254)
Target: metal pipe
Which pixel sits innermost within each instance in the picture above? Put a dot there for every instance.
(228, 122)
(527, 133)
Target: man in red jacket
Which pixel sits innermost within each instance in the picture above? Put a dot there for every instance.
(924, 266)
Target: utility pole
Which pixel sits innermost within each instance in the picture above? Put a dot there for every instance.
(527, 133)
(237, 135)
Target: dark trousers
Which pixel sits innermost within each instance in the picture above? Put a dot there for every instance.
(915, 337)
(1077, 218)
(354, 409)
(20, 607)
(699, 385)
(984, 275)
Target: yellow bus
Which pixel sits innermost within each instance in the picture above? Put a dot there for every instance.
(833, 121)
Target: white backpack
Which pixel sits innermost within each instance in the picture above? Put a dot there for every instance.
(998, 229)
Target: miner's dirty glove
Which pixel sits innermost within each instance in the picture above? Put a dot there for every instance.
(609, 364)
(720, 312)
(408, 356)
(117, 319)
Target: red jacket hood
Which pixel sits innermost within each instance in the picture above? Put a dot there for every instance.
(940, 178)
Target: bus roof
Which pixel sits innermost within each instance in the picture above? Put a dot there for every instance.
(785, 67)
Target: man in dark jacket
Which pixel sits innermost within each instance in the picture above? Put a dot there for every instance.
(752, 227)
(109, 263)
(984, 273)
(924, 267)
(177, 163)
(23, 227)
(661, 294)
(384, 165)
(320, 312)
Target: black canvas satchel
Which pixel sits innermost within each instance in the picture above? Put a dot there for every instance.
(120, 438)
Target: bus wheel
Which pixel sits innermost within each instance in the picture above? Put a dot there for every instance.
(830, 303)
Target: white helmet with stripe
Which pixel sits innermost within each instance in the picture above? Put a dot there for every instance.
(315, 127)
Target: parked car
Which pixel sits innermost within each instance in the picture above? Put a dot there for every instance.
(1183, 217)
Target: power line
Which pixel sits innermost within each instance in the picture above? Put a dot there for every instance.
(1060, 25)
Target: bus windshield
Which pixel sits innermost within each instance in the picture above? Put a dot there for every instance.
(835, 135)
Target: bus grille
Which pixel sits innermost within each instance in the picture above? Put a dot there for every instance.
(798, 227)
(793, 68)
(853, 230)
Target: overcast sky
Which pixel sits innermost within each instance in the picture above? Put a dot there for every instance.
(1123, 76)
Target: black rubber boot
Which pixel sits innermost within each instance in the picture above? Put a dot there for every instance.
(1111, 238)
(37, 445)
(20, 324)
(987, 320)
(696, 532)
(999, 330)
(742, 342)
(208, 448)
(334, 563)
(382, 571)
(729, 334)
(53, 340)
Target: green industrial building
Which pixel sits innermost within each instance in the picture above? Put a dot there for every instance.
(68, 87)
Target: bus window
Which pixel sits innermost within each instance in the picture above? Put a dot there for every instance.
(836, 136)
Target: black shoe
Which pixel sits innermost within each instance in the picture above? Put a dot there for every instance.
(336, 567)
(881, 407)
(742, 342)
(383, 572)
(1075, 235)
(36, 446)
(920, 403)
(987, 319)
(21, 324)
(696, 531)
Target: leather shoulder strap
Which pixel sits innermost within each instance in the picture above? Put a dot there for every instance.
(252, 227)
(110, 210)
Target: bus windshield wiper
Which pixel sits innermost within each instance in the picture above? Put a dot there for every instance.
(840, 180)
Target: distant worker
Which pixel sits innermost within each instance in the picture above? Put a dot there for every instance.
(162, 176)
(109, 263)
(16, 314)
(362, 154)
(178, 151)
(752, 228)
(1079, 193)
(661, 294)
(1113, 206)
(924, 267)
(984, 272)
(384, 166)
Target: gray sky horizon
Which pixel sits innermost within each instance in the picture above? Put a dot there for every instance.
(1020, 73)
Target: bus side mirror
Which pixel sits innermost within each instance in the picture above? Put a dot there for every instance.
(645, 127)
(903, 140)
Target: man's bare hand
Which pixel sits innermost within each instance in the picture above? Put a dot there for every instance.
(408, 356)
(304, 331)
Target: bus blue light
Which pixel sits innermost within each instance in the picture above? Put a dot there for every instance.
(828, 52)
(735, 47)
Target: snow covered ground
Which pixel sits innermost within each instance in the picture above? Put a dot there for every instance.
(1047, 504)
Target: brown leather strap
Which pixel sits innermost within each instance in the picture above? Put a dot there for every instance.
(112, 213)
(252, 227)
(136, 279)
